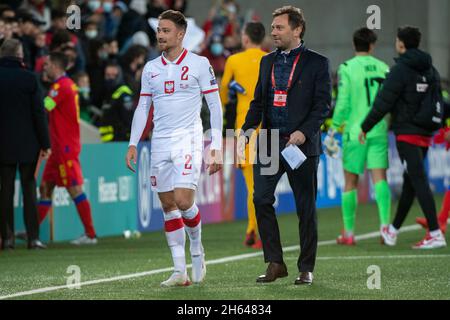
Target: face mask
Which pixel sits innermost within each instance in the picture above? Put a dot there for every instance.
(91, 34)
(94, 5)
(110, 83)
(232, 8)
(108, 7)
(216, 49)
(84, 91)
(103, 55)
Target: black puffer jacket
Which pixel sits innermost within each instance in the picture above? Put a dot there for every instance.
(399, 94)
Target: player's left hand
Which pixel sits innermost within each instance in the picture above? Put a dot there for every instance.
(362, 137)
(215, 161)
(297, 138)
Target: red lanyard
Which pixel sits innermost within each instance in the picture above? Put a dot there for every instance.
(290, 76)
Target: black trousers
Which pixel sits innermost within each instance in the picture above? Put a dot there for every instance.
(415, 184)
(304, 185)
(28, 182)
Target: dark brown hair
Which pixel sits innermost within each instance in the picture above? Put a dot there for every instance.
(295, 16)
(410, 36)
(176, 17)
(60, 59)
(255, 31)
(363, 38)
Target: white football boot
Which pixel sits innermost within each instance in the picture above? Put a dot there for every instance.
(84, 240)
(177, 279)
(430, 242)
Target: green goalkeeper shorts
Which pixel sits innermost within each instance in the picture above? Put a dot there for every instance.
(374, 153)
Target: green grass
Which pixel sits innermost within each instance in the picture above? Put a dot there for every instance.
(339, 273)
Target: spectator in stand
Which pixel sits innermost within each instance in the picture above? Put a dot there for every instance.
(133, 60)
(156, 7)
(71, 55)
(41, 46)
(118, 107)
(98, 56)
(112, 49)
(222, 23)
(28, 29)
(59, 22)
(84, 91)
(6, 12)
(131, 23)
(6, 32)
(39, 10)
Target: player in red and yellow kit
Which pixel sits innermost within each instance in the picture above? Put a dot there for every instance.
(63, 168)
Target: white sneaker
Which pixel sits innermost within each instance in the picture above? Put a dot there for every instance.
(430, 242)
(387, 237)
(84, 240)
(198, 268)
(177, 279)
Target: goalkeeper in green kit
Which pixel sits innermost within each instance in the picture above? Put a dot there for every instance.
(359, 81)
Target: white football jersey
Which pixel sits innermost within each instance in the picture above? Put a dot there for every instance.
(176, 89)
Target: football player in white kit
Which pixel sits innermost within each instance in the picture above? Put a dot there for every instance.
(175, 83)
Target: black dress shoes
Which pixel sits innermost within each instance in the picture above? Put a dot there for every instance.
(304, 278)
(36, 245)
(273, 272)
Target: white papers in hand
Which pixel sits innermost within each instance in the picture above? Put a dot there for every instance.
(294, 156)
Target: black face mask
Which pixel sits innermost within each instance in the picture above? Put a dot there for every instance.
(110, 84)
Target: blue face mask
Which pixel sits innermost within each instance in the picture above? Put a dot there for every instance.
(103, 55)
(84, 90)
(94, 5)
(91, 34)
(216, 49)
(108, 7)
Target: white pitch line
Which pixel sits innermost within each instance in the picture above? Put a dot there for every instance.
(210, 262)
(405, 256)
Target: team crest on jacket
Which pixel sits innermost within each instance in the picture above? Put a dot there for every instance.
(169, 87)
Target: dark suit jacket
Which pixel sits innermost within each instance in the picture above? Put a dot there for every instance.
(308, 101)
(23, 122)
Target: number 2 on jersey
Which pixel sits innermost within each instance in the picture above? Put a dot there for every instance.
(184, 75)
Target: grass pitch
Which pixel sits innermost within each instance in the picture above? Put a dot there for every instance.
(341, 272)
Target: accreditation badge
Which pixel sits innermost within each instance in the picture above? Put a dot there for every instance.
(280, 98)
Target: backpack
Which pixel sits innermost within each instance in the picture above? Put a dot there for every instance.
(430, 113)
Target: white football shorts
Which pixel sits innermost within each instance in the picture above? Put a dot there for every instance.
(175, 169)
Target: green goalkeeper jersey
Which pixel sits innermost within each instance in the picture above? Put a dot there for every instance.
(360, 78)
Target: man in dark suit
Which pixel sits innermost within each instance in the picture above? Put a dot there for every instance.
(23, 135)
(293, 96)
